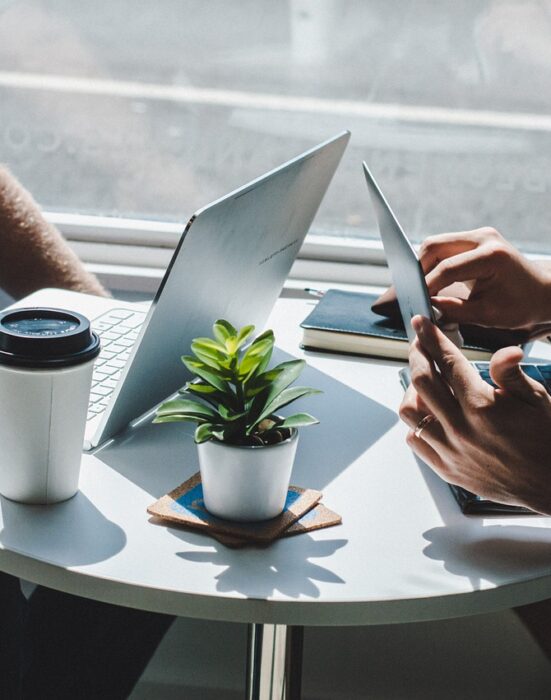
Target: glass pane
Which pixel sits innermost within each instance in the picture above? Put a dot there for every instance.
(152, 109)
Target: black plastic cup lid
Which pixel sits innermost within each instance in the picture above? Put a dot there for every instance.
(42, 338)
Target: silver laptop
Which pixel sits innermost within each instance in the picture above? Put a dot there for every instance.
(231, 262)
(405, 269)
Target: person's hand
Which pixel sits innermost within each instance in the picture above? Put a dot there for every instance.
(502, 288)
(495, 442)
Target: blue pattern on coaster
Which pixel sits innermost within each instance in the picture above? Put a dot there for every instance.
(191, 503)
(307, 517)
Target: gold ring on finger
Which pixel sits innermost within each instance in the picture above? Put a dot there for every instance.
(426, 420)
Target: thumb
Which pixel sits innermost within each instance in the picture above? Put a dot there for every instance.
(507, 374)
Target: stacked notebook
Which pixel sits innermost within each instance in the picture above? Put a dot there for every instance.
(344, 322)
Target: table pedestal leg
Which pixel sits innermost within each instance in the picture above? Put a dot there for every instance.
(274, 662)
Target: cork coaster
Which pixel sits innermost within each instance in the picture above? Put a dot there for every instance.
(315, 519)
(184, 505)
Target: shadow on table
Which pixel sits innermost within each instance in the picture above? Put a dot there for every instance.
(496, 553)
(447, 506)
(469, 546)
(159, 457)
(74, 532)
(262, 573)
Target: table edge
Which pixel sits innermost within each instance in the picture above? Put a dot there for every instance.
(283, 612)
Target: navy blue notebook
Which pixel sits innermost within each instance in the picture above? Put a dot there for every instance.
(343, 322)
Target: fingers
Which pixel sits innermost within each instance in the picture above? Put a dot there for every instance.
(434, 249)
(426, 452)
(456, 371)
(387, 304)
(413, 408)
(445, 245)
(412, 411)
(459, 268)
(431, 386)
(457, 310)
(507, 374)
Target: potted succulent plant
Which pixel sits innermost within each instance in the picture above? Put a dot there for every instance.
(246, 449)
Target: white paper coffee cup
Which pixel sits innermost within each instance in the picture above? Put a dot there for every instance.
(46, 364)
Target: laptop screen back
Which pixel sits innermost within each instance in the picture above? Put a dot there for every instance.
(231, 262)
(405, 269)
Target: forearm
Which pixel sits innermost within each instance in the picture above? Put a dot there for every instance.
(33, 254)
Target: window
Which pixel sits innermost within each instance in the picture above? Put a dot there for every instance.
(149, 110)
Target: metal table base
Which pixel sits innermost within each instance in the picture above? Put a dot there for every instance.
(274, 662)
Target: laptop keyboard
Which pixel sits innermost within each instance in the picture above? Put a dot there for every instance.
(540, 373)
(118, 330)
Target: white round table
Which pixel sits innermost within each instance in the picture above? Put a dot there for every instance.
(404, 551)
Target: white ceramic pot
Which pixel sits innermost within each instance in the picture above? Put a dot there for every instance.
(246, 483)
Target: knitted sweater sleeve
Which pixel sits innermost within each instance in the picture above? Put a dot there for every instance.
(33, 253)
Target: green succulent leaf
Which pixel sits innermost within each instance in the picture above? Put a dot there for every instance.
(287, 373)
(283, 398)
(262, 380)
(254, 366)
(267, 334)
(207, 431)
(186, 407)
(213, 398)
(177, 418)
(223, 330)
(221, 372)
(298, 420)
(208, 374)
(203, 433)
(243, 334)
(213, 358)
(263, 364)
(233, 343)
(228, 414)
(210, 361)
(197, 388)
(259, 345)
(212, 344)
(256, 356)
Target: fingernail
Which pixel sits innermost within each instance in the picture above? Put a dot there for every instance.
(417, 324)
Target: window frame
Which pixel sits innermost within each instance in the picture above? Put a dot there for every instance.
(132, 254)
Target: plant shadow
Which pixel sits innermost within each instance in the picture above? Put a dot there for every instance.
(285, 568)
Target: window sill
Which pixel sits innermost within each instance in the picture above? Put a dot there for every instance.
(132, 255)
